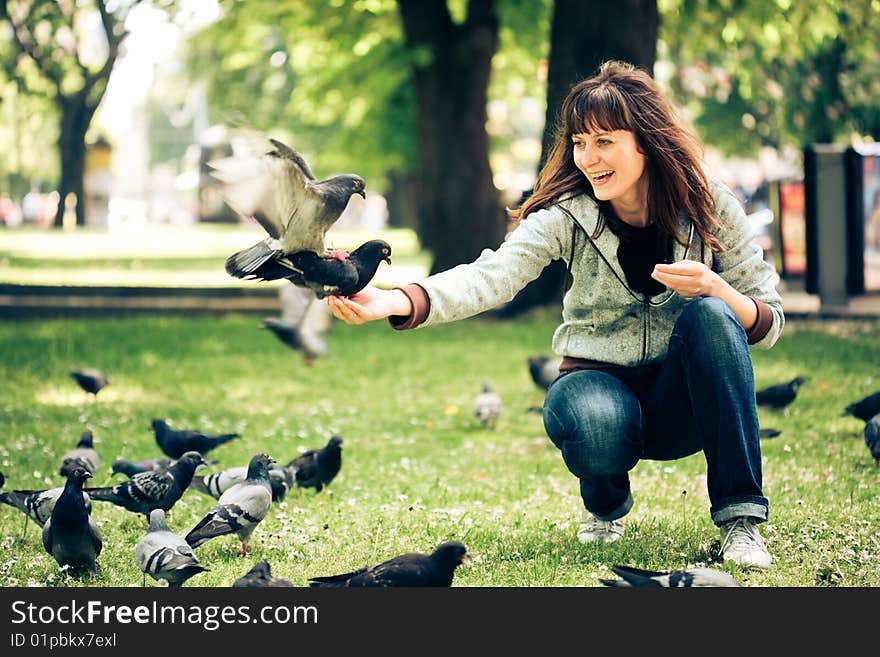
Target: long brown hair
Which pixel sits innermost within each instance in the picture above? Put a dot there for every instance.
(623, 97)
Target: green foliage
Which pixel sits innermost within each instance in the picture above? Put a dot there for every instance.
(417, 468)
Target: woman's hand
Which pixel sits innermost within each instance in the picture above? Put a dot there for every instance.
(369, 304)
(689, 278)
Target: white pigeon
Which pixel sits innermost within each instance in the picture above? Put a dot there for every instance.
(488, 406)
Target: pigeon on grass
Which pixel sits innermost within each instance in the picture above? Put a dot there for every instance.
(91, 380)
(543, 370)
(688, 578)
(316, 468)
(82, 456)
(174, 442)
(278, 189)
(162, 554)
(260, 576)
(866, 408)
(488, 406)
(70, 534)
(780, 395)
(154, 489)
(217, 483)
(304, 323)
(240, 509)
(872, 438)
(768, 433)
(131, 468)
(37, 504)
(411, 569)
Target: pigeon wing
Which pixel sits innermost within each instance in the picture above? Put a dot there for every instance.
(244, 505)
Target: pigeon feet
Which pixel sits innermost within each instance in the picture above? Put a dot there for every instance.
(339, 254)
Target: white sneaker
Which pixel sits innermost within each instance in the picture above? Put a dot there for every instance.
(742, 544)
(593, 529)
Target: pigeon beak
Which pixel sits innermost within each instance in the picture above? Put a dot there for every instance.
(465, 559)
(388, 260)
(362, 194)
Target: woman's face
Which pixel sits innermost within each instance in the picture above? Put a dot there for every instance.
(613, 164)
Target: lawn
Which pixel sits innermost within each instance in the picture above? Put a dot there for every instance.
(417, 467)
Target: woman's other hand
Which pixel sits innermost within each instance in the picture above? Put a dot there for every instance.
(689, 278)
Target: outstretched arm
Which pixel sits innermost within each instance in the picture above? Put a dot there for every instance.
(369, 304)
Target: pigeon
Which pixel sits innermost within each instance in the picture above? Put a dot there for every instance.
(83, 456)
(217, 483)
(688, 578)
(781, 395)
(872, 438)
(162, 554)
(304, 323)
(343, 274)
(70, 534)
(154, 489)
(487, 406)
(37, 504)
(316, 468)
(543, 370)
(260, 576)
(174, 442)
(91, 380)
(866, 408)
(768, 433)
(279, 190)
(411, 569)
(240, 509)
(131, 468)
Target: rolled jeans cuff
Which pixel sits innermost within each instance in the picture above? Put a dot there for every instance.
(617, 513)
(756, 511)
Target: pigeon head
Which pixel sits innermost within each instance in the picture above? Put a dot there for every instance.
(338, 189)
(193, 458)
(86, 439)
(2, 480)
(157, 521)
(451, 553)
(158, 425)
(374, 251)
(79, 476)
(334, 443)
(798, 382)
(259, 466)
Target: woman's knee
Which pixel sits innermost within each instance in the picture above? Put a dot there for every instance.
(707, 316)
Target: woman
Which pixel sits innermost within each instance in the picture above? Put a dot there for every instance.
(667, 291)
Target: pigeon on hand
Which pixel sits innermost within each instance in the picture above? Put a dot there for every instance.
(343, 274)
(866, 408)
(154, 489)
(162, 554)
(688, 578)
(37, 504)
(279, 190)
(411, 569)
(543, 370)
(217, 483)
(304, 322)
(240, 509)
(70, 534)
(316, 468)
(781, 395)
(83, 456)
(91, 380)
(872, 438)
(488, 406)
(131, 468)
(260, 576)
(174, 442)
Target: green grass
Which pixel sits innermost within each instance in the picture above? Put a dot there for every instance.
(417, 469)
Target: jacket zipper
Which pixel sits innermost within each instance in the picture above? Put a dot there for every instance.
(646, 307)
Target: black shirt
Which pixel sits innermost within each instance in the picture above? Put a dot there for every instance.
(640, 249)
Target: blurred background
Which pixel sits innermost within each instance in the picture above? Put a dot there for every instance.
(109, 111)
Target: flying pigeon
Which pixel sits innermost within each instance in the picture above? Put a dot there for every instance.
(543, 370)
(411, 569)
(343, 274)
(488, 406)
(304, 322)
(240, 509)
(872, 438)
(174, 442)
(91, 380)
(279, 190)
(37, 504)
(866, 408)
(83, 456)
(260, 576)
(162, 554)
(781, 395)
(155, 489)
(131, 468)
(70, 534)
(690, 577)
(217, 483)
(316, 468)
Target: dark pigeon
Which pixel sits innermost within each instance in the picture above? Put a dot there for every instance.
(156, 489)
(91, 380)
(543, 370)
(37, 504)
(488, 406)
(304, 323)
(260, 576)
(240, 509)
(174, 442)
(866, 408)
(872, 438)
(162, 554)
(70, 535)
(411, 569)
(83, 456)
(341, 275)
(768, 433)
(688, 578)
(131, 468)
(781, 395)
(316, 468)
(217, 483)
(278, 189)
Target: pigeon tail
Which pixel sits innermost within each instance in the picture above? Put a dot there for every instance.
(258, 261)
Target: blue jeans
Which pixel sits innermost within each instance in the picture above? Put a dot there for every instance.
(701, 397)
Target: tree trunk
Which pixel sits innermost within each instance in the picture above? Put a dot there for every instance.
(582, 36)
(75, 118)
(461, 212)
